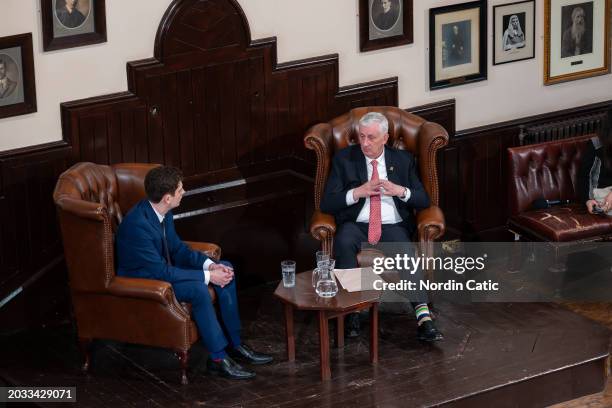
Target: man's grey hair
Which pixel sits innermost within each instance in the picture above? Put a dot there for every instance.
(375, 117)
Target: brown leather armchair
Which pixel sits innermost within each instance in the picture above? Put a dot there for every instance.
(91, 200)
(407, 132)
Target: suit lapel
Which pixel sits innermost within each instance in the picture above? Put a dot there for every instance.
(152, 217)
(359, 162)
(391, 163)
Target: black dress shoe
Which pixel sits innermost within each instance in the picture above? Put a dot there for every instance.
(246, 354)
(353, 326)
(427, 332)
(228, 368)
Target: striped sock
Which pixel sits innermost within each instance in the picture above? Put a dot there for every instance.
(422, 313)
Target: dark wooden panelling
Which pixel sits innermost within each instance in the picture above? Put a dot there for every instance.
(30, 245)
(212, 102)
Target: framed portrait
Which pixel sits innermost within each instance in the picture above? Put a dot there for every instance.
(72, 23)
(576, 39)
(17, 83)
(385, 23)
(513, 32)
(457, 44)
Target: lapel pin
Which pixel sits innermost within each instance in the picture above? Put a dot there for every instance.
(391, 168)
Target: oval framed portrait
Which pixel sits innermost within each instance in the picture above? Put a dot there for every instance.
(385, 23)
(385, 14)
(72, 23)
(72, 14)
(17, 82)
(10, 78)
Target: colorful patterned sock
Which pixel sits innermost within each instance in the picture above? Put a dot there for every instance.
(422, 313)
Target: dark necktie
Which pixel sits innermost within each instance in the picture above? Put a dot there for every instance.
(165, 242)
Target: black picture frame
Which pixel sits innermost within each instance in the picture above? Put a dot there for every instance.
(398, 31)
(56, 32)
(17, 71)
(527, 14)
(451, 68)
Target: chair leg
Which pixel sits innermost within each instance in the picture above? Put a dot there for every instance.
(183, 356)
(85, 347)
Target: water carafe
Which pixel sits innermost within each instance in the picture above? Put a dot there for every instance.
(326, 284)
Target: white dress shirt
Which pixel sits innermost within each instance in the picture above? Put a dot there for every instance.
(207, 262)
(388, 212)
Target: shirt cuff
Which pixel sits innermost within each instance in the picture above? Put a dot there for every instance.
(408, 194)
(350, 200)
(205, 267)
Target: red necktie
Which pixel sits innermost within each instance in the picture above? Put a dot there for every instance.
(374, 227)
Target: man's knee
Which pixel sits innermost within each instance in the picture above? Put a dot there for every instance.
(348, 238)
(201, 295)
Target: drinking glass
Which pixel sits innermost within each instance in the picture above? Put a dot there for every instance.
(288, 268)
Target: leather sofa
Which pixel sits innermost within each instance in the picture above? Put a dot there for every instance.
(91, 200)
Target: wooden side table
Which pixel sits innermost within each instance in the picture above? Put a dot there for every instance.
(303, 297)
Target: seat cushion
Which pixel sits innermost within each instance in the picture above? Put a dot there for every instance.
(562, 224)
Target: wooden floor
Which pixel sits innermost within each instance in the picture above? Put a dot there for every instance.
(514, 355)
(602, 313)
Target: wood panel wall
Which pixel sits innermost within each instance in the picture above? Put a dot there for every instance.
(219, 106)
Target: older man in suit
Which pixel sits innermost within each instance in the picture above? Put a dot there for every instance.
(372, 191)
(148, 247)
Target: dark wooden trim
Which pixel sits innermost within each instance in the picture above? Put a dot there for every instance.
(541, 117)
(442, 112)
(40, 148)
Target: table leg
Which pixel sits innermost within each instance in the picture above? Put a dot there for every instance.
(374, 333)
(324, 345)
(290, 333)
(340, 332)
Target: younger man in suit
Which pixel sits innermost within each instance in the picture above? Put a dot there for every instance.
(148, 247)
(372, 191)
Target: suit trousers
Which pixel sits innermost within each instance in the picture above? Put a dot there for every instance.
(205, 315)
(351, 237)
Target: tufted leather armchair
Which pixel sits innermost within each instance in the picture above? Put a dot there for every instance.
(91, 200)
(407, 132)
(549, 170)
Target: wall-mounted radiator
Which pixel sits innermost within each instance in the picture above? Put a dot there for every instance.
(577, 126)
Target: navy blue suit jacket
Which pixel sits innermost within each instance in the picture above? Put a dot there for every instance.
(140, 252)
(349, 171)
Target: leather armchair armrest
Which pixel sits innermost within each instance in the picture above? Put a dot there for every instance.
(82, 208)
(322, 225)
(212, 250)
(430, 223)
(150, 289)
(319, 136)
